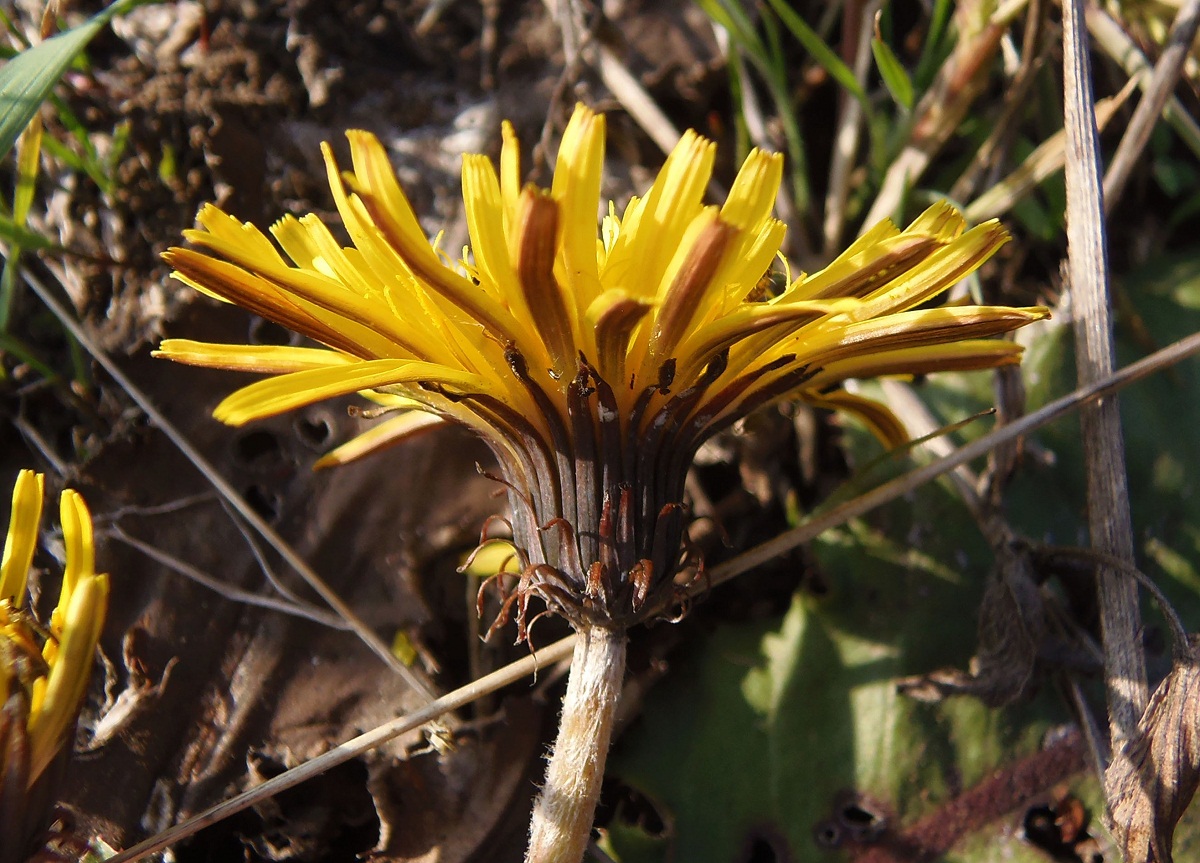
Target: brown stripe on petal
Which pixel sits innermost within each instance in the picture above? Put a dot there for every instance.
(932, 327)
(884, 424)
(560, 440)
(613, 329)
(686, 293)
(536, 246)
(903, 253)
(263, 299)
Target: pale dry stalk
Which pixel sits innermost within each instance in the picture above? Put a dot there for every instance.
(562, 816)
(1103, 444)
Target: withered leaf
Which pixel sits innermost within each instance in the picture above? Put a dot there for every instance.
(1012, 631)
(1151, 781)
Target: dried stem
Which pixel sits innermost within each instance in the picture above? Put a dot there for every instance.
(562, 816)
(1103, 444)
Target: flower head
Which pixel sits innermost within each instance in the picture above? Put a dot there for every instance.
(593, 366)
(44, 671)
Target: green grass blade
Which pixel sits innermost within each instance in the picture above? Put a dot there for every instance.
(818, 50)
(12, 234)
(27, 79)
(892, 71)
(932, 50)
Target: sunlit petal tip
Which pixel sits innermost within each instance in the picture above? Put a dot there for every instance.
(79, 542)
(754, 190)
(21, 540)
(263, 359)
(388, 433)
(941, 220)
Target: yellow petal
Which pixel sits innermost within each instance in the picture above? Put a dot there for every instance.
(576, 189)
(380, 220)
(285, 302)
(22, 537)
(707, 341)
(940, 271)
(913, 330)
(268, 359)
(58, 702)
(510, 173)
(653, 227)
(882, 423)
(611, 320)
(386, 434)
(552, 309)
(956, 356)
(286, 392)
(80, 545)
(485, 222)
(754, 190)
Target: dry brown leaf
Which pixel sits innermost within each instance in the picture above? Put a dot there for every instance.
(1152, 780)
(1012, 632)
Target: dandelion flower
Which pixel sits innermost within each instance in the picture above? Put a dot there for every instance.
(593, 364)
(44, 671)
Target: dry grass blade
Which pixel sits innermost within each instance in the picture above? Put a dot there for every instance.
(958, 83)
(1115, 42)
(1145, 117)
(1103, 444)
(634, 98)
(846, 136)
(228, 492)
(1046, 160)
(560, 650)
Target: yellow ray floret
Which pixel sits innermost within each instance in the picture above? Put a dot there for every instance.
(548, 309)
(48, 693)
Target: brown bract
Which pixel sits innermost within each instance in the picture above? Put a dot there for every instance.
(1153, 778)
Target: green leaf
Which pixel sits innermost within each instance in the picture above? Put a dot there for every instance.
(892, 71)
(27, 79)
(762, 724)
(16, 235)
(932, 50)
(818, 50)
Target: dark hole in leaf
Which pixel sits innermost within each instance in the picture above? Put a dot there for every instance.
(624, 803)
(828, 835)
(263, 502)
(314, 430)
(862, 823)
(1060, 831)
(257, 447)
(764, 845)
(264, 332)
(815, 583)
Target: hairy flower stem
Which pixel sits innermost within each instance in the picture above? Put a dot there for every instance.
(562, 816)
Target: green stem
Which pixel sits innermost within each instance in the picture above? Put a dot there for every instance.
(562, 816)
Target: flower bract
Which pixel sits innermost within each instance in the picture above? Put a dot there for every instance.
(593, 362)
